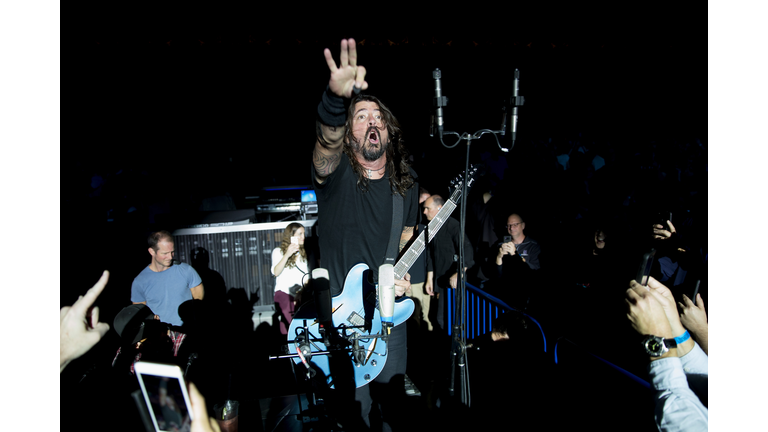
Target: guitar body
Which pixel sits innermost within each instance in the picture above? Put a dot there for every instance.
(354, 306)
(355, 311)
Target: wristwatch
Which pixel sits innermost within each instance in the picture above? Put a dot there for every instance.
(657, 346)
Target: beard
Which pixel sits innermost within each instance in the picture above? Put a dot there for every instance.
(370, 152)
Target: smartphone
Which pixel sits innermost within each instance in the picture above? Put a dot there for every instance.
(165, 393)
(645, 268)
(696, 291)
(662, 218)
(507, 239)
(294, 240)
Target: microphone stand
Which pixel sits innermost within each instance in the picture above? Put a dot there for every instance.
(459, 342)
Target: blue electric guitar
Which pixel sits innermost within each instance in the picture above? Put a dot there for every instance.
(356, 317)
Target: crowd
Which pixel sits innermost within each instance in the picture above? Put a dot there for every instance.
(559, 245)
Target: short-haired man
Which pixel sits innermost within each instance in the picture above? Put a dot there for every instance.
(524, 248)
(162, 285)
(442, 272)
(514, 261)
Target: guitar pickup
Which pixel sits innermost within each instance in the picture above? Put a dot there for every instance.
(356, 319)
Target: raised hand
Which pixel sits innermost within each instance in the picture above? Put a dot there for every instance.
(291, 249)
(667, 302)
(646, 313)
(505, 249)
(79, 325)
(660, 233)
(348, 74)
(201, 423)
(694, 318)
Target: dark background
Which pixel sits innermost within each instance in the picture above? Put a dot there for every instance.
(175, 106)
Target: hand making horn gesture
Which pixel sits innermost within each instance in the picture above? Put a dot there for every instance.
(348, 74)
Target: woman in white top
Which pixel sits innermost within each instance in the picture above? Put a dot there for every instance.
(289, 265)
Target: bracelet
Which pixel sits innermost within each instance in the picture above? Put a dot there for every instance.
(683, 337)
(331, 110)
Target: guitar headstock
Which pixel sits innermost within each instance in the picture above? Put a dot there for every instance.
(457, 182)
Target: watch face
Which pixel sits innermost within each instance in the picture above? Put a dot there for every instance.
(654, 346)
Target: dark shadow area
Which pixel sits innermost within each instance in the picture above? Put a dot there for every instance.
(604, 144)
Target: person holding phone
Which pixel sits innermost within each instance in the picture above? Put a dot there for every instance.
(681, 251)
(510, 266)
(678, 368)
(517, 245)
(289, 265)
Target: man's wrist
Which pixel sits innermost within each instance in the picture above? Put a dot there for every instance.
(671, 353)
(683, 337)
(331, 110)
(677, 329)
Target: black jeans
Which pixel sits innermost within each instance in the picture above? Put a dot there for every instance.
(387, 391)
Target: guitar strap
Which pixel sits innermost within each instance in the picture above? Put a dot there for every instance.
(397, 228)
(394, 241)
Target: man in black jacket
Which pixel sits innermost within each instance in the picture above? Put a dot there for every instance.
(442, 271)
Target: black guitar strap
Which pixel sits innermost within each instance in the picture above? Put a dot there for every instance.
(397, 229)
(390, 258)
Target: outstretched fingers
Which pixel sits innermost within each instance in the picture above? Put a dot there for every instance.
(82, 305)
(345, 54)
(352, 52)
(329, 60)
(700, 303)
(671, 227)
(360, 81)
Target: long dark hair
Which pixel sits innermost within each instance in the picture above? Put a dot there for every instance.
(400, 178)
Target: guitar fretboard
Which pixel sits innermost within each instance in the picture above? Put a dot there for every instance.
(417, 247)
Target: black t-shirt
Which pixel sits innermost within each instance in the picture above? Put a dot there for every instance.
(354, 227)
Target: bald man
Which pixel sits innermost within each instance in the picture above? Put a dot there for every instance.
(442, 273)
(517, 259)
(521, 247)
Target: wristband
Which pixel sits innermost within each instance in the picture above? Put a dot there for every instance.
(331, 110)
(683, 337)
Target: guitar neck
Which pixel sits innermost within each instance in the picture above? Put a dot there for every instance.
(417, 247)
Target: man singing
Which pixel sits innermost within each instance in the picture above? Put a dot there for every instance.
(359, 163)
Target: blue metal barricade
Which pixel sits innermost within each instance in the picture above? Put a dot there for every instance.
(482, 308)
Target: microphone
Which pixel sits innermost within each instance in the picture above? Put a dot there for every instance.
(386, 296)
(322, 293)
(515, 90)
(439, 101)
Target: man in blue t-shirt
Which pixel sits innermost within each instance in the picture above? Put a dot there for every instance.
(164, 286)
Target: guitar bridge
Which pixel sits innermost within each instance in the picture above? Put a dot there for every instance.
(356, 319)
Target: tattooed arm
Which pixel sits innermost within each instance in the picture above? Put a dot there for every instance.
(327, 155)
(404, 284)
(405, 237)
(345, 78)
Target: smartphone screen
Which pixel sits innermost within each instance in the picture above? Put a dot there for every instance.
(645, 268)
(165, 394)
